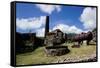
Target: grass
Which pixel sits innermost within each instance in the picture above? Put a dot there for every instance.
(39, 57)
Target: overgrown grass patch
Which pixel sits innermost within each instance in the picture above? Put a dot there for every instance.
(39, 56)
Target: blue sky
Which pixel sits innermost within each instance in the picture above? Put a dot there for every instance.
(59, 15)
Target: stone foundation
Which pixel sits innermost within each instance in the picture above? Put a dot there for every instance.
(76, 46)
(56, 50)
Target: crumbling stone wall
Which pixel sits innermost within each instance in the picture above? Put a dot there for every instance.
(54, 42)
(56, 51)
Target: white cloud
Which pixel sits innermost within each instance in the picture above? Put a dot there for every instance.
(68, 29)
(30, 23)
(88, 18)
(49, 8)
(40, 32)
(64, 28)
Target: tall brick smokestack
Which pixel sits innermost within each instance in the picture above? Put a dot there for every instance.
(47, 25)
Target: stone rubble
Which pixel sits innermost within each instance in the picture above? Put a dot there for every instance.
(89, 58)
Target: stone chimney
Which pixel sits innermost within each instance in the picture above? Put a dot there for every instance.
(47, 26)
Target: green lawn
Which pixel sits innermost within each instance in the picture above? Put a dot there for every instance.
(39, 57)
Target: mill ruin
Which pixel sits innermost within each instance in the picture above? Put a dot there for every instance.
(53, 41)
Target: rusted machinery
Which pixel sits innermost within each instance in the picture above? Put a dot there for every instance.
(83, 36)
